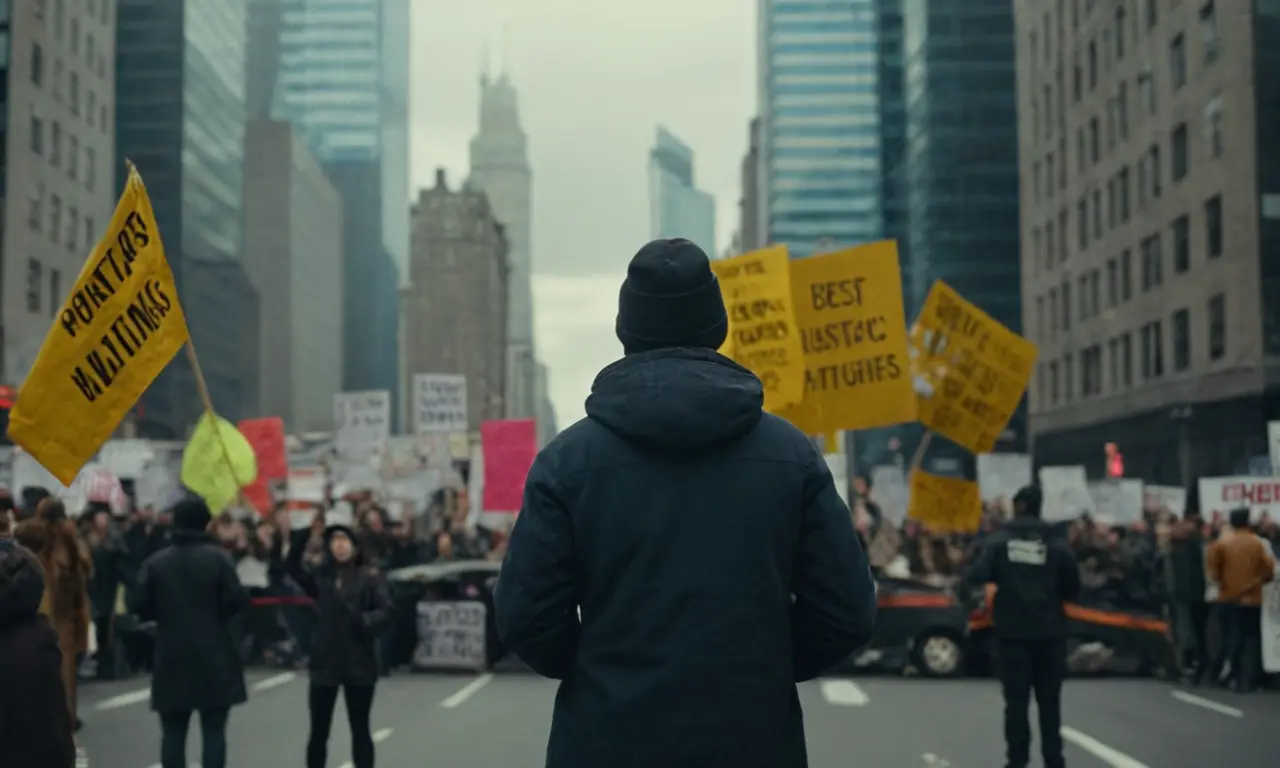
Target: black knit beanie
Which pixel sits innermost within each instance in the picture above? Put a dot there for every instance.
(191, 515)
(670, 298)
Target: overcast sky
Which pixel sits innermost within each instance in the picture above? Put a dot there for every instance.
(595, 78)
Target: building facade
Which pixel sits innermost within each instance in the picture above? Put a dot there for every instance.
(180, 116)
(293, 255)
(748, 236)
(500, 168)
(58, 172)
(820, 145)
(453, 312)
(548, 422)
(1151, 280)
(677, 208)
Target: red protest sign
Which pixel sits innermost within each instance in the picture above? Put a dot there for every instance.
(509, 449)
(266, 436)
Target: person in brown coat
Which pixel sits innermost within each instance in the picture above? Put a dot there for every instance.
(68, 568)
(1240, 564)
(35, 726)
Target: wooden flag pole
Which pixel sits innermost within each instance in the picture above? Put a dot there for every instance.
(202, 389)
(921, 450)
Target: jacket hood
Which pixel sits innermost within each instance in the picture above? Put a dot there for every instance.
(21, 583)
(1029, 524)
(679, 399)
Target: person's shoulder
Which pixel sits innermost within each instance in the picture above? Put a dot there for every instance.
(786, 442)
(21, 641)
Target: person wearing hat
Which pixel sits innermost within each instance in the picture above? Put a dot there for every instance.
(1034, 573)
(36, 727)
(352, 606)
(190, 590)
(682, 557)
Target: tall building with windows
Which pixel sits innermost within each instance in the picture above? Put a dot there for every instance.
(180, 116)
(339, 71)
(677, 208)
(748, 237)
(820, 123)
(57, 171)
(1150, 228)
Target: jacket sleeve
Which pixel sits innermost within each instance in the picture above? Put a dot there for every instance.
(834, 608)
(535, 600)
(142, 597)
(984, 570)
(232, 597)
(1068, 572)
(378, 611)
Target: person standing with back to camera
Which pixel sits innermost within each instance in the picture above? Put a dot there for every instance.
(1034, 573)
(704, 542)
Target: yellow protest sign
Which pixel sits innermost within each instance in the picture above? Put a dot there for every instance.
(762, 327)
(118, 329)
(971, 371)
(853, 329)
(217, 462)
(945, 504)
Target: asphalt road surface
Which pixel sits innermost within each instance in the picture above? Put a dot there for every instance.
(879, 722)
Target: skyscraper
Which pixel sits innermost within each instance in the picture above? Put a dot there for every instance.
(180, 116)
(338, 70)
(749, 238)
(677, 208)
(820, 154)
(500, 168)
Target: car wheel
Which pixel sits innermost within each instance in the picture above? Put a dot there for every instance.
(938, 654)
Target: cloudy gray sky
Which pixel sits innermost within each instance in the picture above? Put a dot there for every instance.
(595, 79)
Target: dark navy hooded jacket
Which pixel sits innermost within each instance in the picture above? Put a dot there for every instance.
(713, 561)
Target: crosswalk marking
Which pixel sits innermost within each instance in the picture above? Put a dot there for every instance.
(844, 693)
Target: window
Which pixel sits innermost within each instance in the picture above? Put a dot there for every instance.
(59, 20)
(1093, 65)
(1153, 170)
(1213, 128)
(1181, 340)
(73, 229)
(1082, 223)
(1113, 363)
(90, 234)
(1095, 141)
(1062, 165)
(1113, 282)
(35, 284)
(90, 50)
(1126, 359)
(1041, 328)
(1152, 353)
(1035, 181)
(37, 132)
(1097, 214)
(1048, 110)
(57, 79)
(1111, 124)
(1122, 192)
(55, 291)
(55, 218)
(73, 37)
(91, 107)
(35, 213)
(1035, 48)
(73, 157)
(1081, 154)
(1182, 244)
(37, 65)
(1126, 275)
(1152, 16)
(73, 93)
(1152, 263)
(89, 157)
(1050, 246)
(106, 11)
(1095, 290)
(1035, 119)
(1077, 80)
(1053, 383)
(1065, 293)
(1062, 235)
(1217, 327)
(1209, 33)
(1213, 245)
(1111, 203)
(1082, 291)
(1053, 311)
(1147, 88)
(1068, 377)
(1179, 151)
(1120, 33)
(102, 117)
(1178, 62)
(55, 143)
(1091, 371)
(1122, 110)
(1049, 176)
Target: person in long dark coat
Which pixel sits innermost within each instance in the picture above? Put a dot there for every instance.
(191, 591)
(681, 559)
(35, 724)
(352, 606)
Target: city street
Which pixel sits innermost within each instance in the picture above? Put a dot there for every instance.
(880, 722)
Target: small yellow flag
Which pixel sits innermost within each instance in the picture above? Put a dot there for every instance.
(118, 329)
(217, 462)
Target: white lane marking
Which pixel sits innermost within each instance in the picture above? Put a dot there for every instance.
(381, 735)
(124, 700)
(1109, 755)
(467, 691)
(275, 681)
(1209, 704)
(844, 693)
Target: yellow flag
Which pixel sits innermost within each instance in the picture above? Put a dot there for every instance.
(118, 329)
(757, 294)
(217, 462)
(971, 371)
(945, 504)
(854, 330)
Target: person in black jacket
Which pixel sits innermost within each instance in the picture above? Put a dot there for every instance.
(35, 725)
(353, 606)
(1034, 573)
(191, 591)
(681, 559)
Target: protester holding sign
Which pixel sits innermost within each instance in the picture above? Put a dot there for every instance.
(681, 558)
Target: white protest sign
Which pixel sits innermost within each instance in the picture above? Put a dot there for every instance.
(1223, 494)
(1161, 498)
(159, 485)
(439, 402)
(451, 635)
(306, 484)
(1066, 493)
(1116, 502)
(839, 473)
(362, 423)
(1001, 476)
(126, 458)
